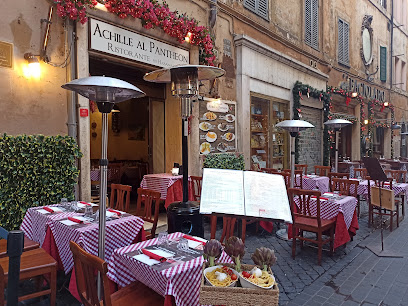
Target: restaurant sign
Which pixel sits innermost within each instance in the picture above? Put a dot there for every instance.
(114, 40)
(365, 90)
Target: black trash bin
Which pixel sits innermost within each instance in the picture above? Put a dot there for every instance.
(185, 218)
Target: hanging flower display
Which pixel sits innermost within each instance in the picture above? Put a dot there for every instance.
(152, 15)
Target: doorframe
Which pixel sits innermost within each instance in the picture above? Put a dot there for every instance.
(150, 140)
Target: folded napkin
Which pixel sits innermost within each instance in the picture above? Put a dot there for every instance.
(75, 220)
(85, 203)
(52, 209)
(154, 256)
(200, 240)
(115, 211)
(321, 198)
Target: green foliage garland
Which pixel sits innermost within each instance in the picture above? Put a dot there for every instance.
(35, 170)
(225, 161)
(300, 90)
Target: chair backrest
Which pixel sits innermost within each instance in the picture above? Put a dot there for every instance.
(270, 170)
(120, 197)
(150, 211)
(301, 167)
(197, 182)
(228, 227)
(86, 265)
(114, 172)
(345, 186)
(400, 176)
(304, 208)
(286, 177)
(332, 175)
(322, 170)
(360, 172)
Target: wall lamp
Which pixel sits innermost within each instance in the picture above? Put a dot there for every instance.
(354, 94)
(386, 104)
(33, 69)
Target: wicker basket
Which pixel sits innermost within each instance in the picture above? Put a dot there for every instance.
(237, 296)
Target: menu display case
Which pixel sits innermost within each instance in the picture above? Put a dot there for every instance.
(268, 144)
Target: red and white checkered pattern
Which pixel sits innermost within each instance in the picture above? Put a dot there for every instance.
(119, 232)
(330, 209)
(35, 224)
(362, 187)
(311, 183)
(159, 182)
(398, 188)
(181, 281)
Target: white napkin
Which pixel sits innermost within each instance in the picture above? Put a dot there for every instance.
(80, 205)
(194, 244)
(110, 214)
(68, 222)
(149, 261)
(55, 209)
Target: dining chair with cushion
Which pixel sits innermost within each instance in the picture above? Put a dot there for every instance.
(390, 206)
(35, 264)
(120, 197)
(332, 175)
(149, 212)
(360, 172)
(322, 170)
(86, 266)
(228, 227)
(306, 221)
(197, 182)
(301, 167)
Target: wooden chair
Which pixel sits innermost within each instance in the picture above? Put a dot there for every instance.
(296, 183)
(86, 266)
(347, 187)
(120, 197)
(332, 175)
(35, 263)
(197, 182)
(302, 167)
(361, 172)
(228, 227)
(304, 220)
(270, 170)
(28, 246)
(114, 174)
(286, 177)
(322, 170)
(150, 211)
(400, 176)
(390, 207)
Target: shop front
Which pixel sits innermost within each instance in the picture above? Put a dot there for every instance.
(265, 80)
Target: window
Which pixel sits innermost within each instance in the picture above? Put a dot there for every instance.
(383, 3)
(400, 74)
(259, 7)
(400, 12)
(343, 35)
(312, 23)
(383, 64)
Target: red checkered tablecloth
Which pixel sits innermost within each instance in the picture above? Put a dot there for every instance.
(398, 188)
(34, 224)
(330, 209)
(159, 182)
(119, 232)
(314, 182)
(181, 281)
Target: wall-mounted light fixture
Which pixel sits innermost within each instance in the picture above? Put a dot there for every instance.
(366, 121)
(354, 94)
(33, 69)
(386, 104)
(188, 37)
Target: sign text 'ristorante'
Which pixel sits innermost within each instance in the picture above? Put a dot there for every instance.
(117, 41)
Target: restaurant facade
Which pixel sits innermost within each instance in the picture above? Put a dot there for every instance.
(276, 67)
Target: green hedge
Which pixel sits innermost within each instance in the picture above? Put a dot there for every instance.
(234, 161)
(34, 171)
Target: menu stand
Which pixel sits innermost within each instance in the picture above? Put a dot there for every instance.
(376, 172)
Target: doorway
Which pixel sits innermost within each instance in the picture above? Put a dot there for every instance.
(136, 134)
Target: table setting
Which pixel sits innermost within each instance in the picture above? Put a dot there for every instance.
(314, 182)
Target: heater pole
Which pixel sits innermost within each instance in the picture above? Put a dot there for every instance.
(184, 145)
(336, 162)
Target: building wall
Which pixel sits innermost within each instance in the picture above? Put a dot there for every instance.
(32, 106)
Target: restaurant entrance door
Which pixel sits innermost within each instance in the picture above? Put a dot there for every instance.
(136, 136)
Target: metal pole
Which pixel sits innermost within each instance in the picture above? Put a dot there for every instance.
(336, 162)
(15, 244)
(102, 195)
(292, 160)
(184, 144)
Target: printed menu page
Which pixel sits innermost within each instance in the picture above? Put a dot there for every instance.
(217, 127)
(245, 193)
(266, 196)
(222, 192)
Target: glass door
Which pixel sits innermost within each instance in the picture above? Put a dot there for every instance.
(259, 133)
(157, 157)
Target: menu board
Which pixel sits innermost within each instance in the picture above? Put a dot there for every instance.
(217, 126)
(245, 193)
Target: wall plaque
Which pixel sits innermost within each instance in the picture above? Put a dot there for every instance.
(6, 54)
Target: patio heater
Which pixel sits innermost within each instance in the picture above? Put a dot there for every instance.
(337, 124)
(184, 85)
(105, 91)
(293, 127)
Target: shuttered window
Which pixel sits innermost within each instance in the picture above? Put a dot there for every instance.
(383, 64)
(343, 42)
(312, 23)
(259, 7)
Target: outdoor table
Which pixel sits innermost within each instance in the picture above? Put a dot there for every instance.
(159, 182)
(342, 210)
(312, 182)
(182, 282)
(362, 186)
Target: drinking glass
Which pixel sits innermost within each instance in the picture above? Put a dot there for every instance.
(64, 204)
(88, 211)
(183, 244)
(162, 238)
